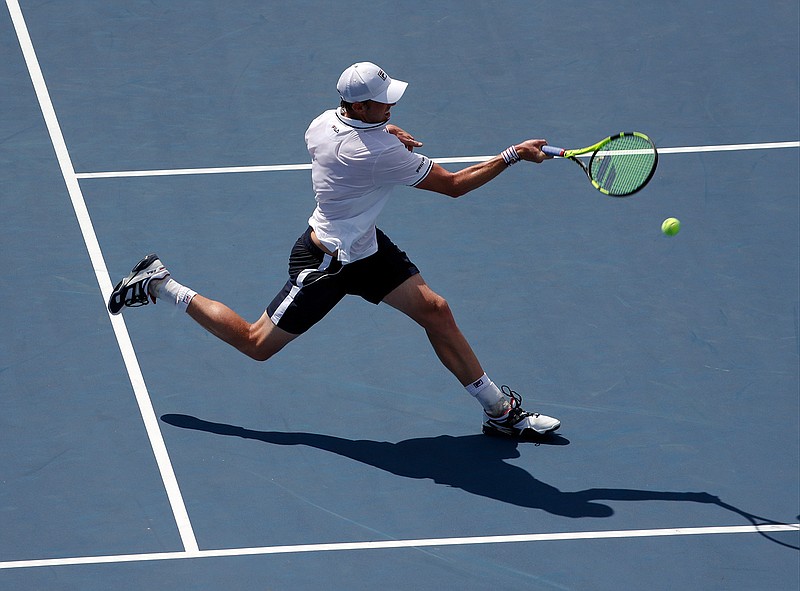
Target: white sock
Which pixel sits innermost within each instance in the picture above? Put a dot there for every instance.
(172, 291)
(491, 398)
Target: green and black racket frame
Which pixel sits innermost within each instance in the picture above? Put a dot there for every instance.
(619, 165)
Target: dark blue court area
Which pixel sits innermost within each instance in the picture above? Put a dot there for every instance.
(139, 452)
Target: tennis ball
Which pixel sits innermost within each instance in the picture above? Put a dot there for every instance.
(671, 226)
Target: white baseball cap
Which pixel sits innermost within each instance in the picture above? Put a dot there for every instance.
(365, 81)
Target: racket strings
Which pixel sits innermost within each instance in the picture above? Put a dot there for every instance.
(623, 165)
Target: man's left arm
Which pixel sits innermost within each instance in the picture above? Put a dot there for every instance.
(405, 138)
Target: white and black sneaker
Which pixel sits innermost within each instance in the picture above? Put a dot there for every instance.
(132, 291)
(516, 423)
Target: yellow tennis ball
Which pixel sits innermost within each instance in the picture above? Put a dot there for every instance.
(671, 226)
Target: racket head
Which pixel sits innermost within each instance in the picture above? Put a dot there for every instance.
(623, 164)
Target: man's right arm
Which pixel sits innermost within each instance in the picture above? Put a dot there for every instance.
(457, 184)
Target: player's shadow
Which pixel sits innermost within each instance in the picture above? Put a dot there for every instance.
(473, 463)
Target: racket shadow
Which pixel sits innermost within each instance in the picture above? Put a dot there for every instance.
(473, 463)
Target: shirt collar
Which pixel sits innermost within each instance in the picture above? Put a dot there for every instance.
(356, 124)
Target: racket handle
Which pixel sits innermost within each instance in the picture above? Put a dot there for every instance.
(553, 151)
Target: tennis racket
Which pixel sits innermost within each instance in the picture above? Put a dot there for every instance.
(619, 165)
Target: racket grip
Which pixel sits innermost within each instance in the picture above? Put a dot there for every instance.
(553, 151)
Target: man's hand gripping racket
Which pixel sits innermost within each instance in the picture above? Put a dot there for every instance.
(619, 165)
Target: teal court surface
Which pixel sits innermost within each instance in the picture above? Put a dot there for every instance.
(141, 453)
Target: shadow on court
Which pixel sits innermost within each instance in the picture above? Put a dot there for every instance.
(473, 463)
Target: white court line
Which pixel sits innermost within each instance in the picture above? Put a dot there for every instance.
(103, 279)
(460, 159)
(395, 544)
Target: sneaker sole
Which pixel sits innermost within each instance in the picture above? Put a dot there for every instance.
(524, 434)
(116, 306)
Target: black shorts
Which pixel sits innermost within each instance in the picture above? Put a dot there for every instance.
(317, 281)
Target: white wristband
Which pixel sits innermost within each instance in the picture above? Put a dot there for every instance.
(510, 155)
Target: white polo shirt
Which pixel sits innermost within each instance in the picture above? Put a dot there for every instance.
(354, 166)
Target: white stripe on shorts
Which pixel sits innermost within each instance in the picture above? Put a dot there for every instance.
(287, 301)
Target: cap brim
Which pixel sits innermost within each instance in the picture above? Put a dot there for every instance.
(393, 92)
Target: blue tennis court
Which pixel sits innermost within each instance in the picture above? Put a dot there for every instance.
(142, 453)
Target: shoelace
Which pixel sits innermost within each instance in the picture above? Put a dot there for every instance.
(517, 399)
(516, 414)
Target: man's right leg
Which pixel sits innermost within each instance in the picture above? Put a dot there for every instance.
(259, 340)
(150, 280)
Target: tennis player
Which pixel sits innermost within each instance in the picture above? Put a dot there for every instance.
(357, 157)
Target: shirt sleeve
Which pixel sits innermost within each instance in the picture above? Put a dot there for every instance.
(398, 166)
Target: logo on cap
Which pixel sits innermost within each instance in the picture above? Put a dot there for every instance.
(382, 74)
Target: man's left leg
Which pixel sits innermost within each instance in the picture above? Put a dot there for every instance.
(502, 412)
(430, 310)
